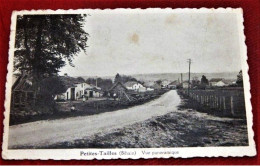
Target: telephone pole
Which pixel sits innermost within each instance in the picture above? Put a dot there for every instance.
(189, 61)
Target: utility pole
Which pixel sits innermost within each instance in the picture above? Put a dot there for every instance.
(96, 80)
(189, 61)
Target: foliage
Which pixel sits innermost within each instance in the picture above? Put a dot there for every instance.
(159, 82)
(118, 78)
(240, 79)
(48, 88)
(123, 78)
(45, 42)
(104, 84)
(204, 80)
(80, 79)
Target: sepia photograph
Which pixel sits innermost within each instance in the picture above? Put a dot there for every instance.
(168, 80)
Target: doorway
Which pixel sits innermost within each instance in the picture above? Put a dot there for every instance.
(72, 96)
(90, 93)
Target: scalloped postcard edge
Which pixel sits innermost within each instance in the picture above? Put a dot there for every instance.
(131, 153)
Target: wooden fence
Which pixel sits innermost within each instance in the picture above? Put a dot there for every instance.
(226, 102)
(23, 98)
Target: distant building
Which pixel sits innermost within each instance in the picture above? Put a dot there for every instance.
(118, 91)
(150, 86)
(74, 89)
(185, 84)
(173, 85)
(165, 83)
(93, 91)
(218, 82)
(22, 91)
(133, 85)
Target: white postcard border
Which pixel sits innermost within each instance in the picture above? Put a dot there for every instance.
(129, 153)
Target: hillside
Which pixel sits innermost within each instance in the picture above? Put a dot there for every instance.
(176, 76)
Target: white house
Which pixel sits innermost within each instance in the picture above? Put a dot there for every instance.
(173, 85)
(185, 84)
(93, 91)
(73, 88)
(133, 85)
(217, 82)
(165, 83)
(152, 85)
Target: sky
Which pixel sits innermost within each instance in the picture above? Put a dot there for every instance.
(160, 42)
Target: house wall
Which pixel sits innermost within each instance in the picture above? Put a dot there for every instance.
(117, 90)
(220, 83)
(165, 83)
(95, 94)
(149, 89)
(63, 96)
(79, 91)
(136, 87)
(171, 86)
(185, 85)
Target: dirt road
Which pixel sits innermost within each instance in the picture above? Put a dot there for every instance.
(43, 133)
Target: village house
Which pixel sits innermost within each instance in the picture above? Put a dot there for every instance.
(134, 85)
(150, 86)
(74, 88)
(22, 91)
(165, 83)
(185, 84)
(218, 82)
(118, 91)
(173, 85)
(93, 91)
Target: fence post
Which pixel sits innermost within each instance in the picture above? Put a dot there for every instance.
(224, 104)
(213, 101)
(232, 105)
(220, 103)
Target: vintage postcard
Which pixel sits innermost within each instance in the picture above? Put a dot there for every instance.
(127, 83)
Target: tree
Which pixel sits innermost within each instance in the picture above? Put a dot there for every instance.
(104, 84)
(49, 88)
(195, 82)
(45, 42)
(240, 79)
(204, 80)
(159, 82)
(80, 79)
(117, 78)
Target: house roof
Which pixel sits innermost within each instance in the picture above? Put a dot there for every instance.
(117, 84)
(216, 79)
(174, 82)
(92, 87)
(130, 83)
(228, 81)
(23, 82)
(151, 84)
